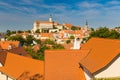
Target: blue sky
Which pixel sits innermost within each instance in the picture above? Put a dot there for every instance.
(20, 14)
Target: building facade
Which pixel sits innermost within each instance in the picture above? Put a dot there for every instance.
(44, 26)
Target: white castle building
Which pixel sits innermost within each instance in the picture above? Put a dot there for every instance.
(44, 25)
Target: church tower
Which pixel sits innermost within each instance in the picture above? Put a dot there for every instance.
(50, 19)
(86, 24)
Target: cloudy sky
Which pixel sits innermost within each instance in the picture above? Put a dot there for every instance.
(20, 14)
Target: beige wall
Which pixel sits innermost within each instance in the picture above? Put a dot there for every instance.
(35, 27)
(4, 77)
(111, 71)
(44, 25)
(1, 65)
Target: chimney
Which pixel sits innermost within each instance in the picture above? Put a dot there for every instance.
(77, 42)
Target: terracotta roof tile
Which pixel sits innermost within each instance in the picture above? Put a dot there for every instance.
(103, 51)
(68, 46)
(16, 66)
(3, 55)
(20, 51)
(68, 25)
(64, 64)
(6, 44)
(46, 34)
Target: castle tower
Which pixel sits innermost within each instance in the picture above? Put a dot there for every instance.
(50, 19)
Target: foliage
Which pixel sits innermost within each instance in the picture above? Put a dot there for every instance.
(106, 79)
(19, 31)
(18, 38)
(72, 37)
(58, 46)
(48, 41)
(43, 46)
(37, 31)
(29, 39)
(104, 32)
(8, 33)
(75, 28)
(28, 31)
(36, 55)
(13, 32)
(68, 41)
(92, 29)
(38, 41)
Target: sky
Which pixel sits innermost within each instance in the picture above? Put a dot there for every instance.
(21, 14)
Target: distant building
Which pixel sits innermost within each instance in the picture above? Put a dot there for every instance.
(44, 26)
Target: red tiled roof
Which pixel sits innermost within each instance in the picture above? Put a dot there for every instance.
(68, 25)
(103, 51)
(20, 51)
(68, 46)
(16, 66)
(6, 44)
(64, 64)
(46, 34)
(3, 55)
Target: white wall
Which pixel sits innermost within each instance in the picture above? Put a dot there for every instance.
(45, 25)
(34, 27)
(87, 74)
(2, 76)
(10, 78)
(112, 71)
(1, 65)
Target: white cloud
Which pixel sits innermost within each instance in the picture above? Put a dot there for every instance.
(89, 5)
(114, 3)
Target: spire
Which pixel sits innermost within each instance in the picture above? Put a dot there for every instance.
(86, 23)
(50, 19)
(50, 16)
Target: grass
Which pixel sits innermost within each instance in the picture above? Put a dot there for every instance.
(106, 78)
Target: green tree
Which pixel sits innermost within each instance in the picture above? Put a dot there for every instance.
(18, 38)
(102, 32)
(92, 29)
(29, 39)
(13, 32)
(75, 28)
(68, 41)
(58, 46)
(19, 31)
(114, 34)
(28, 31)
(37, 31)
(72, 37)
(8, 33)
(48, 41)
